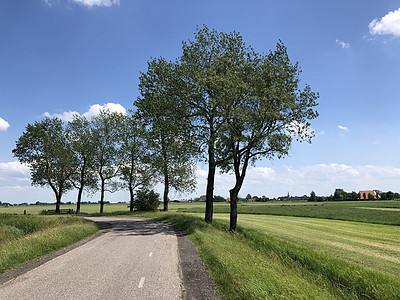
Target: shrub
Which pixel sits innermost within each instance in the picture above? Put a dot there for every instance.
(146, 200)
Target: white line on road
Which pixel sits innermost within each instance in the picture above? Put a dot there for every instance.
(141, 283)
(151, 254)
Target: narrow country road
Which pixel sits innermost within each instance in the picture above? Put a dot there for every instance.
(136, 259)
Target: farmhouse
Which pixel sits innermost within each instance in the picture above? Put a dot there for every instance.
(364, 195)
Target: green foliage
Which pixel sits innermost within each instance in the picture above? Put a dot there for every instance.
(44, 147)
(146, 200)
(313, 197)
(168, 133)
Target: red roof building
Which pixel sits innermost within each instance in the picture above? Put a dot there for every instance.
(364, 195)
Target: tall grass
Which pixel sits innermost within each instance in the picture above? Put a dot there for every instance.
(24, 238)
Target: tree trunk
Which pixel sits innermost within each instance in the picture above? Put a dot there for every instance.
(78, 203)
(58, 203)
(166, 192)
(210, 184)
(233, 193)
(82, 185)
(131, 198)
(102, 196)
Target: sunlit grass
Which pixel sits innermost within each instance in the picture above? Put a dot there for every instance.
(250, 264)
(24, 238)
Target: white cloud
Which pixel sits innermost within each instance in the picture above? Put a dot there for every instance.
(112, 107)
(93, 111)
(3, 124)
(389, 24)
(13, 171)
(66, 115)
(344, 128)
(343, 44)
(91, 3)
(321, 178)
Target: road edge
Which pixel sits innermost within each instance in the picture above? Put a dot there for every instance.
(197, 282)
(10, 275)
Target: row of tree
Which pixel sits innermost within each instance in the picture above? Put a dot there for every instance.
(341, 195)
(107, 152)
(220, 101)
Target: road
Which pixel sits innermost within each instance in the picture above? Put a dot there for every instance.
(136, 259)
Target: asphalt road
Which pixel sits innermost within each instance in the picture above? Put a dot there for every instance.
(136, 259)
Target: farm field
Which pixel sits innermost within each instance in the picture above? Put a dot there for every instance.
(379, 212)
(373, 246)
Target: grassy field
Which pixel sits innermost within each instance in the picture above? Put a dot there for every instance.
(24, 238)
(290, 250)
(379, 212)
(372, 246)
(253, 265)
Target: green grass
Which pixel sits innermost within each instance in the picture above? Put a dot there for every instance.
(379, 212)
(373, 246)
(252, 265)
(24, 238)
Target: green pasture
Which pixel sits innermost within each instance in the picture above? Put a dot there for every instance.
(372, 246)
(380, 212)
(253, 264)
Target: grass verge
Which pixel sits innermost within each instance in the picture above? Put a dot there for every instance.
(24, 238)
(251, 265)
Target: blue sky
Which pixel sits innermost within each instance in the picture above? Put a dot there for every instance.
(60, 56)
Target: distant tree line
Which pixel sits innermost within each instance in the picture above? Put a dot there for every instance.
(341, 195)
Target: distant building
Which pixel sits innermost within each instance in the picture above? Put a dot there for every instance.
(202, 198)
(364, 195)
(228, 199)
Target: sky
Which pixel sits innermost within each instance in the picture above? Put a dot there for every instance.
(58, 57)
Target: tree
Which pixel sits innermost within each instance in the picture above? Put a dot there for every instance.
(147, 200)
(80, 138)
(135, 169)
(106, 128)
(203, 70)
(168, 135)
(313, 197)
(44, 147)
(265, 109)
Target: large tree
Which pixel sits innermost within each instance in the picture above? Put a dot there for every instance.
(106, 127)
(79, 134)
(204, 71)
(168, 135)
(136, 171)
(265, 109)
(44, 147)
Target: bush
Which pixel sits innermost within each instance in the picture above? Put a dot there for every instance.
(146, 200)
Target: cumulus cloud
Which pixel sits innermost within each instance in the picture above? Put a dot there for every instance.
(66, 116)
(343, 44)
(387, 25)
(344, 128)
(93, 111)
(3, 124)
(321, 178)
(112, 107)
(13, 171)
(91, 3)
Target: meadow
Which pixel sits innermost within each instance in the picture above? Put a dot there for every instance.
(288, 250)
